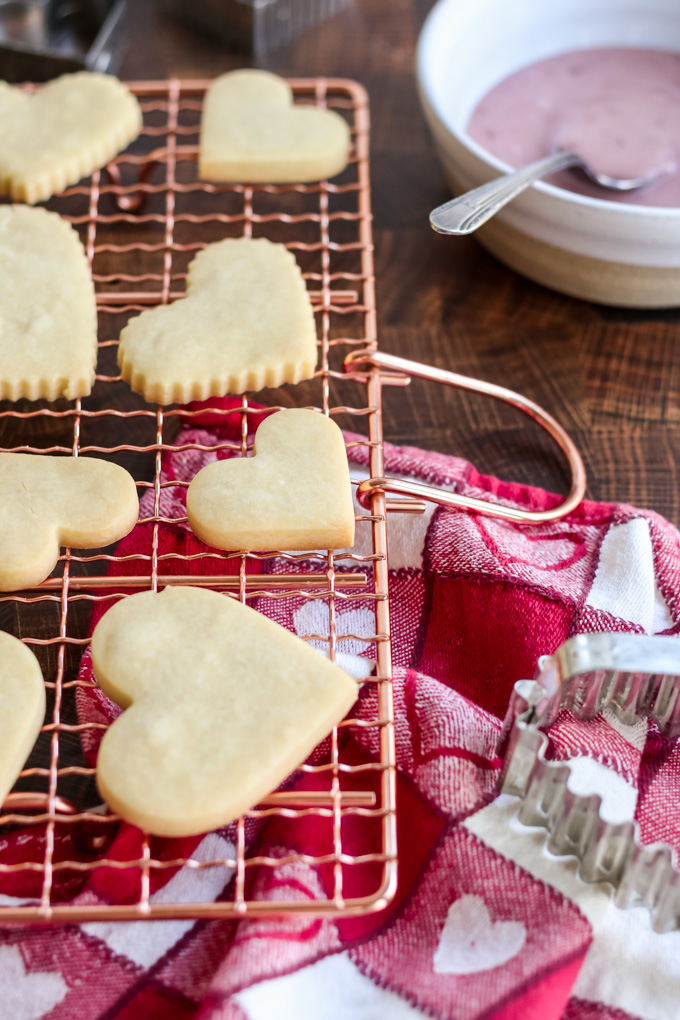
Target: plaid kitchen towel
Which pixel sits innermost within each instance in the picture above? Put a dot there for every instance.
(486, 923)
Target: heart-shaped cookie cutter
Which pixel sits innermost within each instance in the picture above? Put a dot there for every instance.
(636, 677)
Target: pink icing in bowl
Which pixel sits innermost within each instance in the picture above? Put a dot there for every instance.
(613, 252)
(618, 108)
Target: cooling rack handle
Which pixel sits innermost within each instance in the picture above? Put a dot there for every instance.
(365, 491)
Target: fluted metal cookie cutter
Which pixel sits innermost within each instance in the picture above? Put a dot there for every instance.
(636, 677)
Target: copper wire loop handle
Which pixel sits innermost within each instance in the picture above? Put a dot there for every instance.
(368, 488)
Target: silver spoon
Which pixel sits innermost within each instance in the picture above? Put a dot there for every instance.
(464, 214)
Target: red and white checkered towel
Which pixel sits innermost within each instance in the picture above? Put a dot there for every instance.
(486, 923)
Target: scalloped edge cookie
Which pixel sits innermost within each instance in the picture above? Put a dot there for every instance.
(245, 323)
(62, 133)
(48, 313)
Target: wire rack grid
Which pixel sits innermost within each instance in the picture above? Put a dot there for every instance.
(141, 220)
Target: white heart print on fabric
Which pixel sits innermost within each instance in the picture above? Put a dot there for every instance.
(28, 996)
(471, 942)
(312, 618)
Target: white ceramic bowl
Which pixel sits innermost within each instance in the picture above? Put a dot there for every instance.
(604, 251)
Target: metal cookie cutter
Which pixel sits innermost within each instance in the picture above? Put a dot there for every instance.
(636, 677)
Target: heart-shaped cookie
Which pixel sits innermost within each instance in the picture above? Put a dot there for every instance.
(224, 705)
(294, 493)
(22, 708)
(251, 131)
(48, 316)
(47, 501)
(245, 323)
(63, 132)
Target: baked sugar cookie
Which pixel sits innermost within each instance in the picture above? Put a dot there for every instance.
(63, 132)
(245, 323)
(293, 493)
(48, 316)
(48, 501)
(22, 708)
(251, 131)
(221, 705)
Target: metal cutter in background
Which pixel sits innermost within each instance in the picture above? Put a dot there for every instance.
(636, 677)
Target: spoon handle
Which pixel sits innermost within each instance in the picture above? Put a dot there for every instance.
(464, 214)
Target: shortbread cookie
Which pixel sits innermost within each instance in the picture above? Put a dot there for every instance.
(294, 493)
(251, 131)
(245, 323)
(48, 316)
(63, 132)
(48, 501)
(22, 708)
(224, 705)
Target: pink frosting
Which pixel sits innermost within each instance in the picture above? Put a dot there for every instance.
(618, 108)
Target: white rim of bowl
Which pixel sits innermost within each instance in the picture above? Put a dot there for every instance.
(561, 194)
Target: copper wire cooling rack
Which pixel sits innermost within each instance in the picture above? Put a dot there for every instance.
(142, 219)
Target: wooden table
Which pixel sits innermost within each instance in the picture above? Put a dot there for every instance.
(612, 377)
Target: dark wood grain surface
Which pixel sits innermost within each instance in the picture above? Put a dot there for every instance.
(611, 377)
